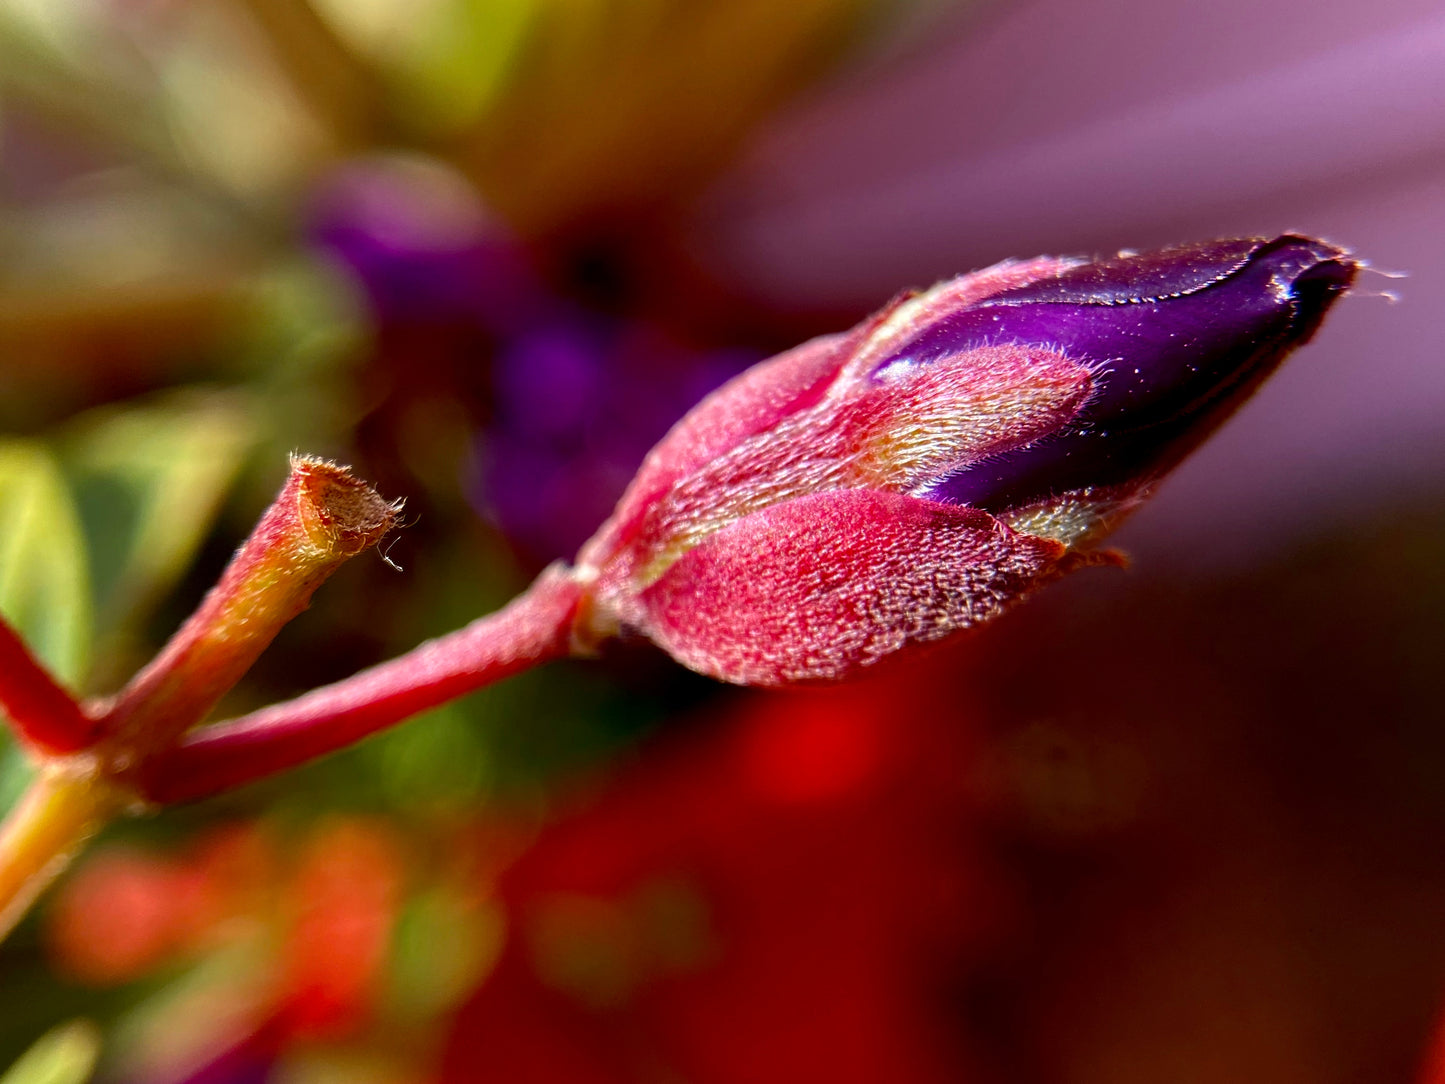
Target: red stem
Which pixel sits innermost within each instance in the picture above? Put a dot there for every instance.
(535, 628)
(44, 715)
(322, 517)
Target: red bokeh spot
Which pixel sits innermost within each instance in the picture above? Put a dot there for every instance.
(119, 917)
(811, 749)
(346, 893)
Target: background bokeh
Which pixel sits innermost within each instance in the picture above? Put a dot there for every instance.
(1181, 823)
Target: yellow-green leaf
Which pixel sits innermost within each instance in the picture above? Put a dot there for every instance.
(63, 1055)
(149, 480)
(44, 576)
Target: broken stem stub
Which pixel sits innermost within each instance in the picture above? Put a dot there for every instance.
(322, 517)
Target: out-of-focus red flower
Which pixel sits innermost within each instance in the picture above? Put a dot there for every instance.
(772, 900)
(124, 914)
(301, 943)
(345, 894)
(1433, 1069)
(129, 912)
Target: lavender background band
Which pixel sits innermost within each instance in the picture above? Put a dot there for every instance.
(1056, 127)
(1159, 150)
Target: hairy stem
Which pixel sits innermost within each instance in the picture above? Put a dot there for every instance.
(535, 628)
(322, 517)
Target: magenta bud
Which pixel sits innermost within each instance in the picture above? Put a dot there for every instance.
(964, 445)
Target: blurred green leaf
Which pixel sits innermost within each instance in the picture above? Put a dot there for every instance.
(149, 480)
(441, 949)
(444, 60)
(61, 55)
(306, 330)
(440, 759)
(14, 771)
(44, 578)
(177, 1011)
(63, 1055)
(463, 59)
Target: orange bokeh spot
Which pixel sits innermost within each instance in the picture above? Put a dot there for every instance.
(346, 893)
(119, 917)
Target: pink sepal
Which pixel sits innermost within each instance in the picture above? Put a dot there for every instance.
(751, 403)
(818, 587)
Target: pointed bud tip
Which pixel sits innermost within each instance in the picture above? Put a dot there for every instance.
(1176, 339)
(1298, 263)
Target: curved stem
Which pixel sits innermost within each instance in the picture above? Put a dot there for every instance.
(44, 715)
(535, 628)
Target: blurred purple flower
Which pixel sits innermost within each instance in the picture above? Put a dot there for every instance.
(578, 404)
(425, 249)
(577, 396)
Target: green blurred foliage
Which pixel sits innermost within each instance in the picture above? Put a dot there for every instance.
(65, 1055)
(44, 567)
(149, 480)
(440, 950)
(44, 578)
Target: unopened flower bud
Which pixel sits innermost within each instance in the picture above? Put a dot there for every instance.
(916, 475)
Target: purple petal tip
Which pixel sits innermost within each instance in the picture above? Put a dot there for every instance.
(1176, 339)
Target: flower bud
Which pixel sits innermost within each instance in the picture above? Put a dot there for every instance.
(964, 445)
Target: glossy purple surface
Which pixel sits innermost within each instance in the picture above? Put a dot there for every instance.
(1176, 338)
